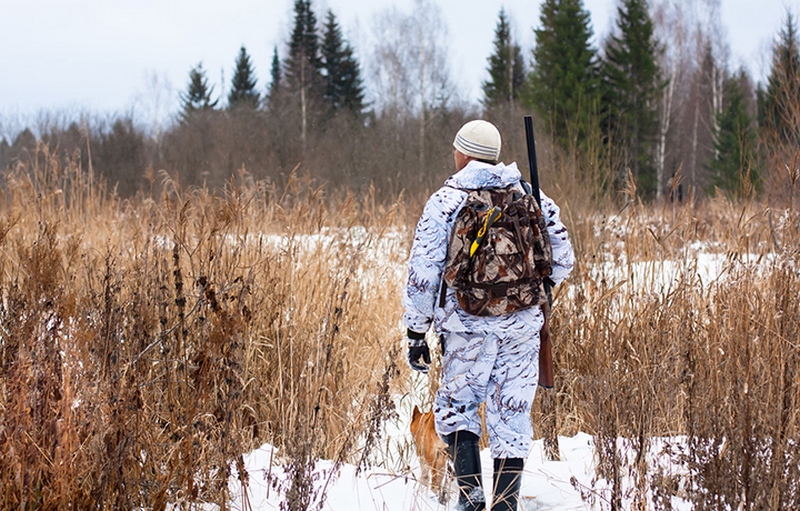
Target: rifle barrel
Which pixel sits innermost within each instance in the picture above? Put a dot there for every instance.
(535, 182)
(532, 165)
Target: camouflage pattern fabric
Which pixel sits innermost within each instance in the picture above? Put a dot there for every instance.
(486, 359)
(422, 294)
(505, 272)
(500, 371)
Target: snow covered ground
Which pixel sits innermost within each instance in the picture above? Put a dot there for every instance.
(394, 484)
(546, 484)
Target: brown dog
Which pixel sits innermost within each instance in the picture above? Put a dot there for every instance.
(432, 452)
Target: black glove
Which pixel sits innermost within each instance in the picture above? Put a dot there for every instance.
(418, 352)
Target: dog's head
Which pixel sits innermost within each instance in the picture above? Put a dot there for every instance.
(416, 421)
(422, 424)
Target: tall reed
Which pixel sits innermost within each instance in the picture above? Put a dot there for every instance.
(146, 345)
(682, 323)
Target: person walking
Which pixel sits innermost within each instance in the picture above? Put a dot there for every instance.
(490, 359)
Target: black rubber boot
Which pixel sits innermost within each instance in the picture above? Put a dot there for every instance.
(466, 457)
(507, 480)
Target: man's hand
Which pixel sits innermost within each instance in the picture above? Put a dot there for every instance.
(418, 352)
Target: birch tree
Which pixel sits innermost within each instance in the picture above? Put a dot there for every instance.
(302, 67)
(671, 25)
(693, 61)
(410, 67)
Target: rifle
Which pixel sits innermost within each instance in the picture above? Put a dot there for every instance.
(546, 371)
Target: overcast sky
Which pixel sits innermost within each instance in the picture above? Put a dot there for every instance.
(111, 56)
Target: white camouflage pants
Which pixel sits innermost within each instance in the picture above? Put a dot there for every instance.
(502, 372)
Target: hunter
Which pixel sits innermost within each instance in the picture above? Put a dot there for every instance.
(490, 359)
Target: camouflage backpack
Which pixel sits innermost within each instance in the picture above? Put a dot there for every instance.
(499, 253)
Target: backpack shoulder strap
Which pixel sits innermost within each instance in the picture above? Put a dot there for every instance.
(443, 284)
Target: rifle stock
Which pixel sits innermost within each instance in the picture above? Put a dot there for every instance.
(546, 370)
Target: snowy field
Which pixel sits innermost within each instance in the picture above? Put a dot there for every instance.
(566, 485)
(393, 484)
(546, 484)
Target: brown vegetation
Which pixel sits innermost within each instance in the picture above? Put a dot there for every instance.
(148, 343)
(651, 345)
(206, 148)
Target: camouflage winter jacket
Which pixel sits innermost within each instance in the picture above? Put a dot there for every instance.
(429, 256)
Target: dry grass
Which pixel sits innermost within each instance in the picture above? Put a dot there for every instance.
(653, 346)
(146, 345)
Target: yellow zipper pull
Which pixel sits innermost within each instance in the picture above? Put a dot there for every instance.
(491, 216)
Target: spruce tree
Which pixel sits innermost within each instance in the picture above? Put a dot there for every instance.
(5, 152)
(506, 68)
(631, 82)
(344, 88)
(243, 85)
(303, 64)
(302, 68)
(275, 75)
(735, 140)
(564, 82)
(779, 105)
(198, 95)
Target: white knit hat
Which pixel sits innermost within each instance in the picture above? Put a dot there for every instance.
(479, 139)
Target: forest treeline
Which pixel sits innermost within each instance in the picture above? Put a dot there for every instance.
(657, 100)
